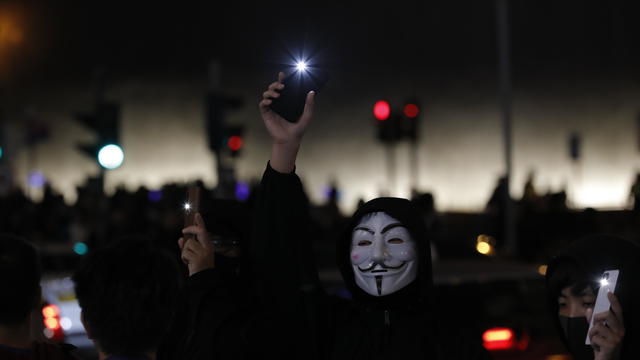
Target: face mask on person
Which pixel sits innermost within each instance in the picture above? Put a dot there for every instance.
(575, 330)
(383, 255)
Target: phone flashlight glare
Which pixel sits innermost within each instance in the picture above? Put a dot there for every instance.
(301, 65)
(604, 282)
(187, 206)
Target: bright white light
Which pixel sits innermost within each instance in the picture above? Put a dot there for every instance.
(187, 206)
(111, 156)
(66, 323)
(604, 282)
(301, 66)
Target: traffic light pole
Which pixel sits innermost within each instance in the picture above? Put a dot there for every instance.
(413, 153)
(391, 168)
(511, 245)
(217, 131)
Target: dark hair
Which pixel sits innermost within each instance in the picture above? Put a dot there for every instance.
(20, 273)
(569, 273)
(128, 292)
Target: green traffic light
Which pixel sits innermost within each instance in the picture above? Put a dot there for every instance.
(111, 156)
(80, 248)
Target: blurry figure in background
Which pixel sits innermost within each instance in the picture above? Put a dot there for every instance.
(635, 193)
(495, 204)
(20, 272)
(128, 292)
(495, 211)
(426, 205)
(529, 193)
(572, 285)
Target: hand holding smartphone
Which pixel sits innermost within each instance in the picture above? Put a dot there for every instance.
(290, 103)
(607, 284)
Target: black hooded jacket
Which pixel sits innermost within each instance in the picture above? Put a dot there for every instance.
(402, 325)
(590, 257)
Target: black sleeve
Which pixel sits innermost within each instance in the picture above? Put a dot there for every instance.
(283, 261)
(211, 321)
(281, 248)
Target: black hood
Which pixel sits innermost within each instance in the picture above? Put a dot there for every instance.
(590, 257)
(421, 289)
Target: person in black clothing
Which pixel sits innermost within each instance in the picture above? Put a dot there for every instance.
(128, 292)
(20, 273)
(572, 284)
(383, 255)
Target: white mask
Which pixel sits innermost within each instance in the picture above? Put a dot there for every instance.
(383, 255)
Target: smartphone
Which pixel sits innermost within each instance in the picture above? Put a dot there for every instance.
(297, 85)
(607, 284)
(191, 207)
(225, 241)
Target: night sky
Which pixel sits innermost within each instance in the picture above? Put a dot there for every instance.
(576, 68)
(67, 36)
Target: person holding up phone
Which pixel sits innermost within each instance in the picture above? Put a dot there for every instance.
(573, 278)
(383, 255)
(214, 314)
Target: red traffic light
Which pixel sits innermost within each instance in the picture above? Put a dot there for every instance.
(235, 143)
(381, 110)
(411, 110)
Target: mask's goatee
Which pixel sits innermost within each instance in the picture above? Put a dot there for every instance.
(379, 284)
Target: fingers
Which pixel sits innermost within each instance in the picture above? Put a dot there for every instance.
(609, 320)
(274, 87)
(192, 247)
(616, 307)
(270, 94)
(281, 76)
(263, 106)
(181, 243)
(193, 230)
(604, 337)
(200, 221)
(307, 113)
(188, 255)
(588, 314)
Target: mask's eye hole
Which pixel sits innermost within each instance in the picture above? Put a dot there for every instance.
(395, 241)
(364, 243)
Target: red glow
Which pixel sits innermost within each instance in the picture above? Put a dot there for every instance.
(498, 339)
(50, 311)
(411, 110)
(52, 323)
(235, 143)
(381, 110)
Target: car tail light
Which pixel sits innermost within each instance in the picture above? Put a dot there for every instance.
(52, 328)
(503, 339)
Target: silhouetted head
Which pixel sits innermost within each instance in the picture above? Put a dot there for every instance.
(128, 292)
(20, 273)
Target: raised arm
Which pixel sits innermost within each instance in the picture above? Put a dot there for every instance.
(282, 258)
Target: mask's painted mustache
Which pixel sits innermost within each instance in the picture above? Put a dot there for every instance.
(373, 264)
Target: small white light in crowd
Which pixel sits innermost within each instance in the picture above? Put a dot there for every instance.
(301, 66)
(604, 282)
(66, 323)
(187, 206)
